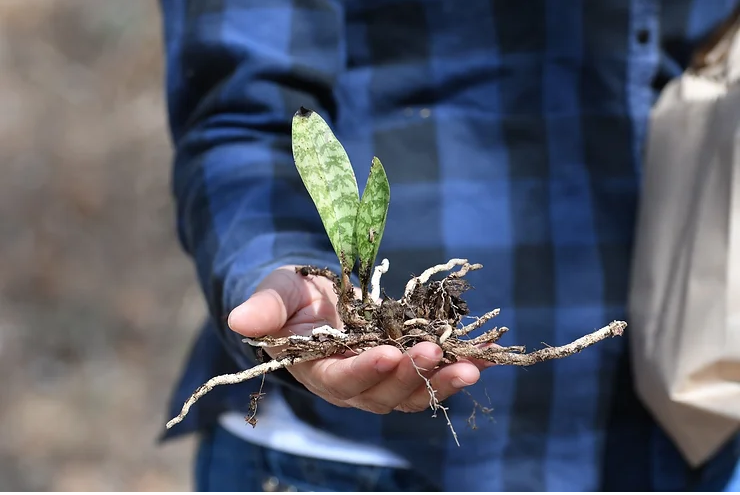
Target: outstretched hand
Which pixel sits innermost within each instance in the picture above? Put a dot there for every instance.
(379, 380)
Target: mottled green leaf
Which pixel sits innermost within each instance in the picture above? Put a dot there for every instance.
(327, 174)
(371, 217)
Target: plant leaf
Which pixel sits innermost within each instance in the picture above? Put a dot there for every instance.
(371, 217)
(327, 173)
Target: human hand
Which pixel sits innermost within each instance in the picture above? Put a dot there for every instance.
(379, 380)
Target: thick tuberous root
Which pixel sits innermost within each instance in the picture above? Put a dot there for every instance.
(429, 311)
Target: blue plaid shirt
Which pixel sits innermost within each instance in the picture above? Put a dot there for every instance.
(511, 133)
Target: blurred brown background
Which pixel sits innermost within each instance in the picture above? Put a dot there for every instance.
(98, 304)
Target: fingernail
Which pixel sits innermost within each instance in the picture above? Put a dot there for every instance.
(458, 382)
(384, 364)
(423, 360)
(235, 314)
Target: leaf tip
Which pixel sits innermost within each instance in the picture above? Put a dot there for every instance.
(304, 112)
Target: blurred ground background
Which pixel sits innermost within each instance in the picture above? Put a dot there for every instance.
(98, 304)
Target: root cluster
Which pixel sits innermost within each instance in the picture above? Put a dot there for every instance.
(430, 310)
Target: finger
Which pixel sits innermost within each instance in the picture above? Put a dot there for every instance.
(281, 294)
(447, 381)
(346, 377)
(482, 364)
(328, 398)
(385, 396)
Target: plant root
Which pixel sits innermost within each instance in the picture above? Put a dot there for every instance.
(240, 377)
(479, 323)
(434, 403)
(429, 311)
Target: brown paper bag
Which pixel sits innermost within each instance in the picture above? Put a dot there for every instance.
(684, 306)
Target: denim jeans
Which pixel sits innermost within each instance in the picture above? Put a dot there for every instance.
(224, 462)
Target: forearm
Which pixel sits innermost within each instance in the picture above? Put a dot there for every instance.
(232, 89)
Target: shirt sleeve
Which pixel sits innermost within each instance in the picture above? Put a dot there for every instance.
(236, 72)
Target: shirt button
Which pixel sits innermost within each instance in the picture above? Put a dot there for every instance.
(643, 36)
(270, 484)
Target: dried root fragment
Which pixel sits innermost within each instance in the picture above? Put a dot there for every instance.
(429, 311)
(240, 377)
(493, 355)
(478, 323)
(434, 403)
(429, 272)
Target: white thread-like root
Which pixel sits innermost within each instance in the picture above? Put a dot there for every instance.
(381, 269)
(434, 404)
(427, 274)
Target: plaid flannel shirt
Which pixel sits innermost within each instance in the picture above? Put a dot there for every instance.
(511, 133)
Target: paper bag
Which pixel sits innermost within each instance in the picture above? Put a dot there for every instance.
(684, 301)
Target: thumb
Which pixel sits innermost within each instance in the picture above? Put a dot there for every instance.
(277, 298)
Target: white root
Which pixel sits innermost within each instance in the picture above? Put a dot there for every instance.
(465, 269)
(328, 331)
(478, 323)
(446, 334)
(416, 321)
(614, 329)
(427, 274)
(275, 342)
(242, 376)
(316, 335)
(257, 343)
(381, 269)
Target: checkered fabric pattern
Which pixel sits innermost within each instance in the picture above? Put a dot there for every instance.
(511, 133)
